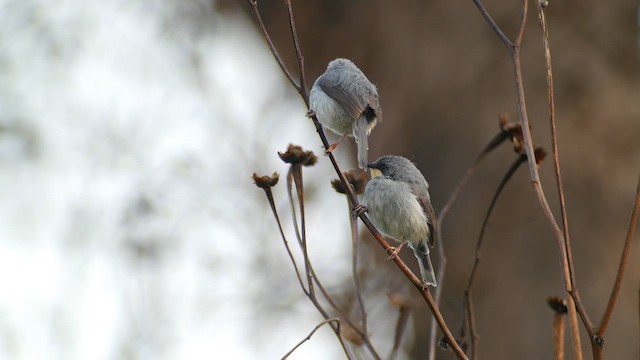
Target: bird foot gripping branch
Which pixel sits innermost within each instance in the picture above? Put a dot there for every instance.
(394, 251)
(358, 210)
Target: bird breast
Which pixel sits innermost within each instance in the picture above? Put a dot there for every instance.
(395, 210)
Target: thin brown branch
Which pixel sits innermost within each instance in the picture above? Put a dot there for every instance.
(284, 238)
(485, 224)
(514, 52)
(296, 174)
(417, 283)
(356, 278)
(471, 318)
(311, 296)
(302, 89)
(556, 166)
(523, 22)
(498, 139)
(265, 33)
(505, 40)
(615, 291)
(442, 267)
(401, 322)
(327, 321)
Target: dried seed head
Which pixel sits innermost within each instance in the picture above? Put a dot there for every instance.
(357, 179)
(350, 334)
(514, 132)
(557, 304)
(265, 181)
(540, 154)
(296, 155)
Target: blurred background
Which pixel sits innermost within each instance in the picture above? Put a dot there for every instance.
(130, 227)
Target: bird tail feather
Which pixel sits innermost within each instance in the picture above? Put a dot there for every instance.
(426, 268)
(360, 132)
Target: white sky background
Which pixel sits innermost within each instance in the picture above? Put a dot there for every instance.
(129, 225)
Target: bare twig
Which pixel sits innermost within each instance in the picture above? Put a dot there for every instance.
(328, 321)
(556, 166)
(469, 314)
(269, 194)
(633, 221)
(471, 319)
(514, 52)
(302, 89)
(493, 24)
(404, 309)
(442, 267)
(498, 139)
(485, 224)
(356, 277)
(308, 293)
(265, 33)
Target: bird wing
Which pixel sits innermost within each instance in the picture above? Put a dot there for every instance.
(374, 104)
(336, 90)
(431, 218)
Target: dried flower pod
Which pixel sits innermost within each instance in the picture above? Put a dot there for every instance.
(557, 304)
(357, 179)
(296, 155)
(265, 181)
(540, 154)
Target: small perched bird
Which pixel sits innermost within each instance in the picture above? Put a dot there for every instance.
(347, 103)
(398, 202)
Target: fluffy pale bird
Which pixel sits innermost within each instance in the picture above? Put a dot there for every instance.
(398, 202)
(347, 103)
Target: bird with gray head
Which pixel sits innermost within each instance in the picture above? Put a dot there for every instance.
(398, 202)
(347, 103)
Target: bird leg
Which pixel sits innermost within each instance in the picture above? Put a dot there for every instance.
(311, 113)
(393, 251)
(334, 145)
(358, 210)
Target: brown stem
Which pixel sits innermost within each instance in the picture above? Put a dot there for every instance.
(492, 144)
(514, 52)
(284, 238)
(302, 89)
(308, 293)
(403, 316)
(615, 291)
(485, 224)
(327, 321)
(471, 316)
(265, 33)
(556, 166)
(442, 266)
(417, 283)
(493, 24)
(358, 289)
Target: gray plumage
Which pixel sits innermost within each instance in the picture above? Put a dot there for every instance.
(347, 103)
(399, 205)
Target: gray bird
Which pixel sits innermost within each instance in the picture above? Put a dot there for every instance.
(398, 202)
(347, 103)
